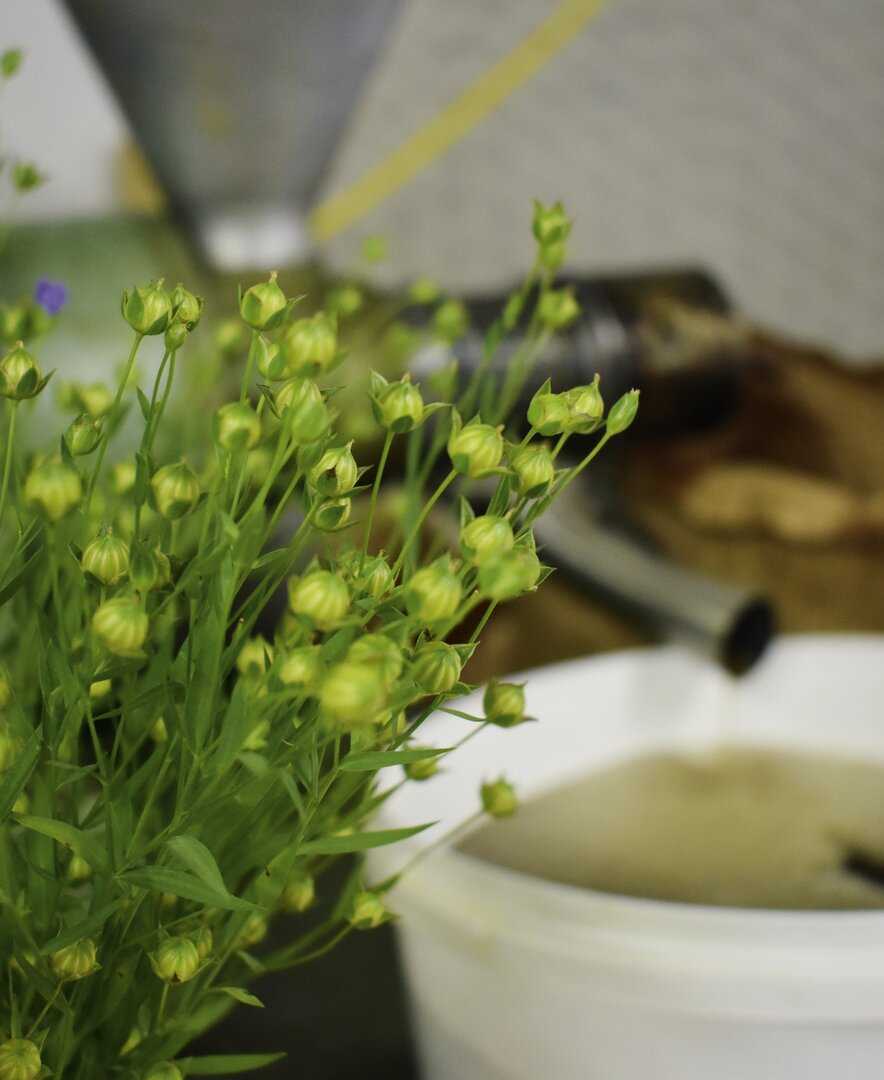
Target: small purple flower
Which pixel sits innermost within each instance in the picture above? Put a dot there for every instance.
(50, 295)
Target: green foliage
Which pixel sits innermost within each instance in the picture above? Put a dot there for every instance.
(176, 765)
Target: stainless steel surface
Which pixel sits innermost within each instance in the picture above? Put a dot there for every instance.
(239, 106)
(727, 623)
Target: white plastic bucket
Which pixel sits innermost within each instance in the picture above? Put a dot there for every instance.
(518, 978)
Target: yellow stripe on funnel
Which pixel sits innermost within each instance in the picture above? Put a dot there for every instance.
(454, 121)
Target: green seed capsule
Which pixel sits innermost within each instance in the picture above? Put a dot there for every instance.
(264, 305)
(399, 406)
(236, 427)
(55, 488)
(176, 489)
(499, 798)
(176, 960)
(354, 693)
(121, 626)
(433, 593)
(476, 450)
(321, 598)
(485, 538)
(20, 376)
(19, 1060)
(148, 310)
(436, 667)
(310, 345)
(106, 557)
(83, 434)
(76, 961)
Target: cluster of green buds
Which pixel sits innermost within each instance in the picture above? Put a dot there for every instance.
(580, 411)
(20, 1060)
(551, 228)
(20, 376)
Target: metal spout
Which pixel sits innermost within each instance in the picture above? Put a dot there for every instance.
(727, 623)
(239, 107)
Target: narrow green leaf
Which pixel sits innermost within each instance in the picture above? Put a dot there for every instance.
(144, 403)
(346, 845)
(78, 841)
(198, 859)
(369, 760)
(226, 1064)
(242, 996)
(19, 774)
(179, 883)
(11, 588)
(88, 926)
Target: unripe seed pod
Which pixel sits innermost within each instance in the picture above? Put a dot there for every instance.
(353, 694)
(83, 434)
(509, 575)
(186, 307)
(504, 703)
(550, 224)
(148, 310)
(230, 337)
(176, 960)
(622, 413)
(175, 336)
(310, 345)
(548, 413)
(106, 557)
(254, 931)
(376, 578)
(55, 488)
(19, 1060)
(344, 300)
(123, 477)
(535, 470)
(203, 940)
(270, 360)
(301, 667)
(121, 626)
(165, 1070)
(499, 798)
(586, 406)
(424, 291)
(433, 593)
(399, 406)
(298, 894)
(321, 598)
(332, 514)
(451, 320)
(557, 308)
(299, 400)
(149, 569)
(368, 911)
(20, 376)
(336, 471)
(254, 658)
(263, 306)
(423, 769)
(176, 489)
(486, 537)
(11, 745)
(236, 426)
(476, 450)
(436, 667)
(75, 961)
(380, 652)
(94, 400)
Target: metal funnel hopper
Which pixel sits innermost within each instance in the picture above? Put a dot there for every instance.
(239, 106)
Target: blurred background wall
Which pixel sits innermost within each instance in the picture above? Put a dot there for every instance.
(740, 135)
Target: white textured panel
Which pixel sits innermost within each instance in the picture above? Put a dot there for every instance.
(746, 135)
